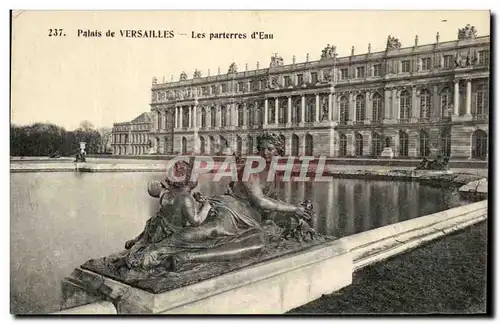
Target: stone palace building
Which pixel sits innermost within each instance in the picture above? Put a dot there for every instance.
(132, 138)
(420, 101)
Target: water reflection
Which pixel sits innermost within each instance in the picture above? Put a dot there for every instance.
(60, 220)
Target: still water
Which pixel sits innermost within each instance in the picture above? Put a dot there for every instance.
(60, 220)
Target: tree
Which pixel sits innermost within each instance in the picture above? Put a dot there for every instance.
(86, 126)
(105, 133)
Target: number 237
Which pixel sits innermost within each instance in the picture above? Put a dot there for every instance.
(55, 32)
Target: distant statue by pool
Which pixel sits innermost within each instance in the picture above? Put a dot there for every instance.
(192, 228)
(80, 155)
(439, 164)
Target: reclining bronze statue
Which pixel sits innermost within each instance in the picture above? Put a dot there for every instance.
(439, 164)
(192, 228)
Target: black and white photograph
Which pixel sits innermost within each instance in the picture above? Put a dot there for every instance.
(250, 162)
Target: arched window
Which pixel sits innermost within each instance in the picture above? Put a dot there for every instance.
(283, 140)
(403, 144)
(223, 116)
(425, 104)
(404, 105)
(271, 113)
(344, 110)
(310, 109)
(212, 116)
(203, 117)
(377, 144)
(239, 145)
(250, 145)
(211, 143)
(251, 115)
(445, 143)
(424, 144)
(202, 145)
(359, 144)
(185, 117)
(184, 145)
(342, 145)
(479, 144)
(446, 102)
(297, 110)
(223, 142)
(377, 107)
(295, 145)
(283, 111)
(360, 108)
(309, 145)
(241, 112)
(482, 102)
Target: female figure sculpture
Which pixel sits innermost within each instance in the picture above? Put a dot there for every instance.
(190, 228)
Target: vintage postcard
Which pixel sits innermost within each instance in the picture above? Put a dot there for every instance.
(249, 162)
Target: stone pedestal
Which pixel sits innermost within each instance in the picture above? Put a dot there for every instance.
(387, 153)
(271, 287)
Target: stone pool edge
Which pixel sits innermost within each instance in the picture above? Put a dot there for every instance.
(360, 250)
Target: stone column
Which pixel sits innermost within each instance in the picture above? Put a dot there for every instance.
(276, 110)
(395, 110)
(334, 108)
(207, 117)
(190, 123)
(352, 109)
(155, 120)
(387, 104)
(316, 118)
(176, 117)
(289, 117)
(303, 110)
(180, 116)
(436, 104)
(195, 117)
(332, 113)
(456, 96)
(468, 98)
(266, 107)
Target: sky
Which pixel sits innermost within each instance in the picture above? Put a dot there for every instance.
(65, 80)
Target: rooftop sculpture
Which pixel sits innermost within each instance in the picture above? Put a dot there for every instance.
(197, 74)
(233, 68)
(183, 76)
(468, 32)
(276, 61)
(329, 52)
(393, 42)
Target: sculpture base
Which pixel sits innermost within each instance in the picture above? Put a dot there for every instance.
(387, 153)
(271, 287)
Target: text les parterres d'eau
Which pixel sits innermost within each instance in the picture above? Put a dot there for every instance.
(253, 35)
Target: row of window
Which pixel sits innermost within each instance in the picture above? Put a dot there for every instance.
(404, 66)
(134, 138)
(256, 117)
(479, 144)
(378, 144)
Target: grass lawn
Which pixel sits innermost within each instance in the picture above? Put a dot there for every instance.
(447, 276)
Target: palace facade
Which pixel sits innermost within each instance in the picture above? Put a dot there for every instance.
(419, 101)
(132, 138)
